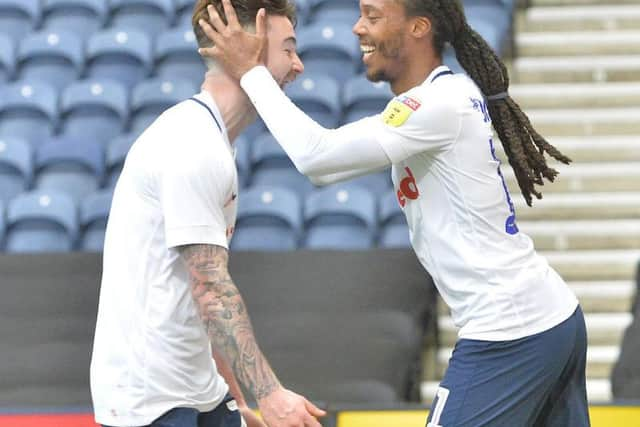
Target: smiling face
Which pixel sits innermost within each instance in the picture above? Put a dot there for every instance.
(282, 59)
(383, 31)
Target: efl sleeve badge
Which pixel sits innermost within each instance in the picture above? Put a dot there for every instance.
(399, 110)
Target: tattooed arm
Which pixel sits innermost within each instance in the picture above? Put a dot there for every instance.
(227, 323)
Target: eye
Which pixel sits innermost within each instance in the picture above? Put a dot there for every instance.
(373, 19)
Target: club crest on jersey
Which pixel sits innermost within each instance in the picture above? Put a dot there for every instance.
(399, 110)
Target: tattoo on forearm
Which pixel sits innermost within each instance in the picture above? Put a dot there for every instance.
(225, 317)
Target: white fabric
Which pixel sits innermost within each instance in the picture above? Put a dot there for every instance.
(151, 352)
(452, 192)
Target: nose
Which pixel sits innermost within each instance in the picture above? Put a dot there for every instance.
(297, 66)
(358, 28)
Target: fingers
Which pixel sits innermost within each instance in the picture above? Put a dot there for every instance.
(230, 12)
(309, 421)
(215, 20)
(212, 34)
(313, 409)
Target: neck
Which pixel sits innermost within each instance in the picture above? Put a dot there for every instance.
(415, 72)
(234, 105)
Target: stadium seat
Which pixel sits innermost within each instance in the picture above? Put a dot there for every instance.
(94, 212)
(70, 166)
(95, 110)
(319, 97)
(176, 56)
(16, 168)
(54, 57)
(491, 18)
(394, 232)
(254, 130)
(243, 160)
(122, 55)
(183, 12)
(302, 12)
(152, 97)
(117, 151)
(340, 217)
(19, 17)
(7, 58)
(332, 11)
(28, 110)
(41, 221)
(329, 49)
(81, 17)
(150, 16)
(362, 98)
(270, 166)
(269, 219)
(2, 225)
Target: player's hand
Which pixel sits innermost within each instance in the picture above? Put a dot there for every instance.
(250, 417)
(284, 408)
(235, 49)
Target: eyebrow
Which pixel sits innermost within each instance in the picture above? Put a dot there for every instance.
(291, 39)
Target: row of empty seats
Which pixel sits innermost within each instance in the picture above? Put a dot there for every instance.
(100, 109)
(19, 17)
(269, 218)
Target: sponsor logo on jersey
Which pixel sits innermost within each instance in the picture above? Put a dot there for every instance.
(408, 189)
(399, 110)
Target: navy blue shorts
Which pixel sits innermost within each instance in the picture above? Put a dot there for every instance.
(533, 381)
(221, 416)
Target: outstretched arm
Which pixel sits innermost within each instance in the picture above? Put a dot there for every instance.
(227, 323)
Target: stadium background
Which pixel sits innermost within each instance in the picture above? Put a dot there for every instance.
(79, 79)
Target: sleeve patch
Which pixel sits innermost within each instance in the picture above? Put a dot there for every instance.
(399, 110)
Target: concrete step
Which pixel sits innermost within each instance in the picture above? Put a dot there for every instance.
(594, 264)
(595, 296)
(600, 361)
(583, 235)
(582, 17)
(598, 390)
(623, 42)
(563, 206)
(593, 149)
(603, 329)
(586, 177)
(576, 122)
(588, 68)
(577, 95)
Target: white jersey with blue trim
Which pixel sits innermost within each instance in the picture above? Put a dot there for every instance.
(438, 139)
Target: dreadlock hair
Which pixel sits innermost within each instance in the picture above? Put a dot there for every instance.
(525, 148)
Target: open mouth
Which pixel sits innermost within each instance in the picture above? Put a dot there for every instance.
(367, 50)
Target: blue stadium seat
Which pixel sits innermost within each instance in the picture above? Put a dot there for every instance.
(176, 56)
(70, 166)
(302, 12)
(54, 57)
(331, 11)
(94, 213)
(152, 97)
(269, 219)
(122, 55)
(243, 159)
(329, 49)
(28, 110)
(19, 17)
(254, 130)
(270, 166)
(183, 11)
(94, 110)
(319, 97)
(81, 17)
(394, 232)
(150, 16)
(117, 151)
(41, 221)
(7, 58)
(491, 18)
(362, 98)
(340, 217)
(2, 224)
(16, 168)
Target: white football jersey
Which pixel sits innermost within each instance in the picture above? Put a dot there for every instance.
(178, 187)
(438, 138)
(461, 217)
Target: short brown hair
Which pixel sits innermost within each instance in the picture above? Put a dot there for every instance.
(246, 10)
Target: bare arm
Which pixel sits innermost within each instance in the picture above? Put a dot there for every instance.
(227, 373)
(225, 317)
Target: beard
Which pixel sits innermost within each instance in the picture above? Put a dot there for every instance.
(390, 50)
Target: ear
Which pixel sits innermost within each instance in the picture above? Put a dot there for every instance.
(420, 27)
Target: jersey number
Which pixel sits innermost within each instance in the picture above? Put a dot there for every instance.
(510, 225)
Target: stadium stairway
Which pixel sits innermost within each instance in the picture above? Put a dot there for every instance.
(576, 72)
